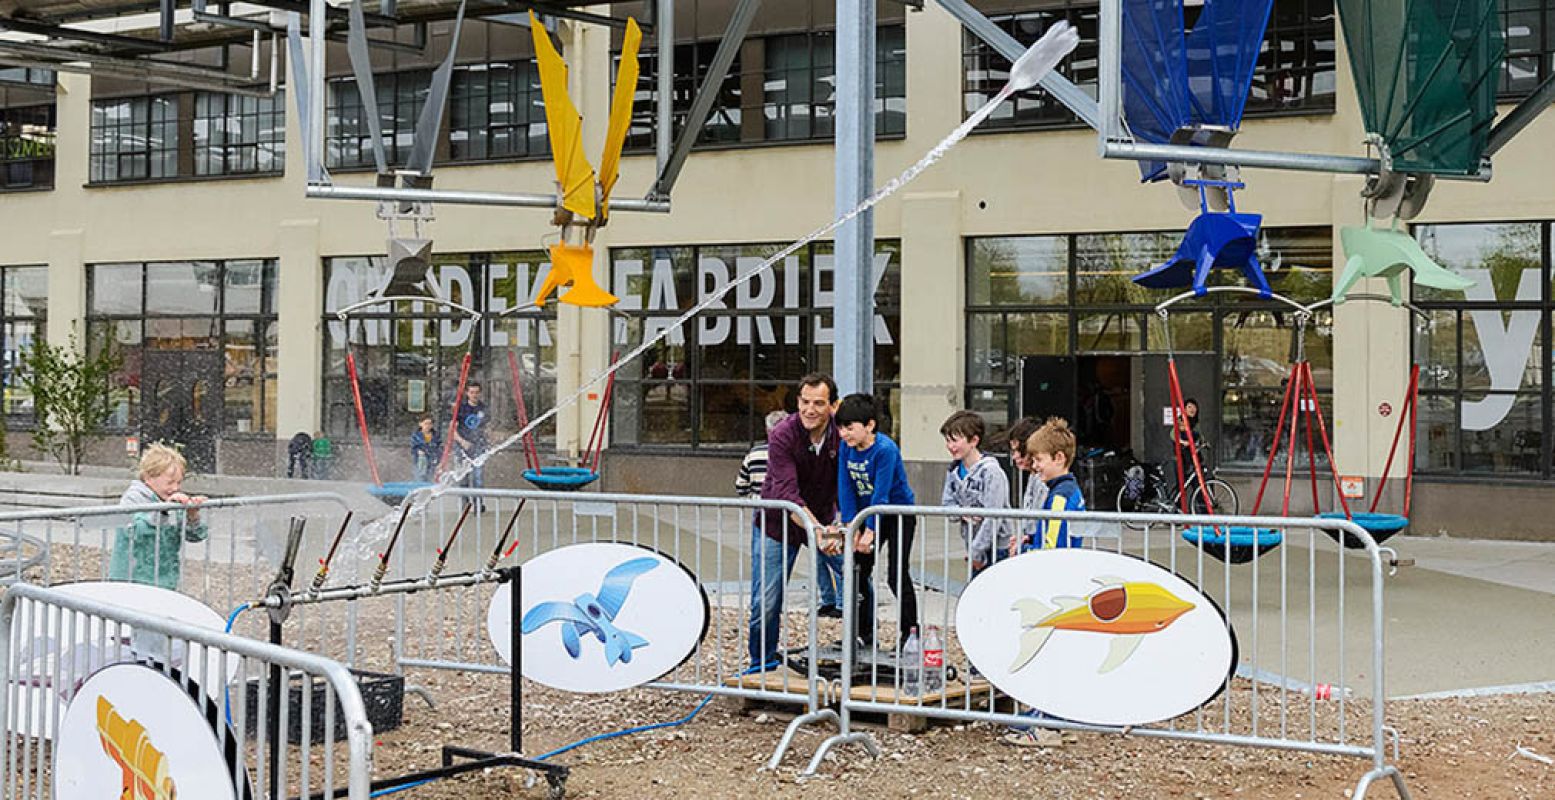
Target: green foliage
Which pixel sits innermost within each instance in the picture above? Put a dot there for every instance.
(70, 390)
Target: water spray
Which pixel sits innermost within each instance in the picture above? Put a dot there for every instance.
(1057, 42)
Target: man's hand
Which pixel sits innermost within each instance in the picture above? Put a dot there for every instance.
(977, 565)
(865, 543)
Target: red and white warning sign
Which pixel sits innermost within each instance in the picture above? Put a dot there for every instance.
(1353, 487)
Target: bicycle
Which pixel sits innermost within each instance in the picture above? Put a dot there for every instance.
(1146, 490)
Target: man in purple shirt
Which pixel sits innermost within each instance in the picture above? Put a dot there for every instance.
(802, 469)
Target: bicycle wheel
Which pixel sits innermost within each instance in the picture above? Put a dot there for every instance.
(1221, 496)
(1137, 504)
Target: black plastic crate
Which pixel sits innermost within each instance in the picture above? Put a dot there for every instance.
(383, 695)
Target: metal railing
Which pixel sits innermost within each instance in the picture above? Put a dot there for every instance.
(711, 537)
(1302, 681)
(224, 558)
(51, 642)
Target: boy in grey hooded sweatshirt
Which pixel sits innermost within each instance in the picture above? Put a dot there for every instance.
(975, 480)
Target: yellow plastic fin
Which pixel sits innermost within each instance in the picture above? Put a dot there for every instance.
(565, 125)
(574, 265)
(620, 115)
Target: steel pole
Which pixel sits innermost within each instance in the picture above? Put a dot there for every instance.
(853, 329)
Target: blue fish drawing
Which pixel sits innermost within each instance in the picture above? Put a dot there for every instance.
(595, 614)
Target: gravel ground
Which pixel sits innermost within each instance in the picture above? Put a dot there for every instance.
(1450, 749)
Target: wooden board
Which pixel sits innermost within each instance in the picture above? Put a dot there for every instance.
(782, 680)
(953, 695)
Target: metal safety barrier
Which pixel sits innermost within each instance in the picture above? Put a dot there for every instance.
(1307, 618)
(711, 537)
(275, 717)
(225, 558)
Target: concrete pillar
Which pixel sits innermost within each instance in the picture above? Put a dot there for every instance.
(1371, 340)
(67, 244)
(933, 294)
(300, 303)
(933, 251)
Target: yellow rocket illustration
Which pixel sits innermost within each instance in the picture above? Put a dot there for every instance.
(145, 767)
(1126, 610)
(583, 196)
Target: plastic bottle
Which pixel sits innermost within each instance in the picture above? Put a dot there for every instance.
(911, 664)
(933, 661)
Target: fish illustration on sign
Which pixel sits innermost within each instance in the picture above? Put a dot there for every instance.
(1127, 610)
(126, 742)
(595, 614)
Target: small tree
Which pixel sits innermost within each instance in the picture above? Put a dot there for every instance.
(71, 390)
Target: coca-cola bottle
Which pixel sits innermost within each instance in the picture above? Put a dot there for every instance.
(933, 661)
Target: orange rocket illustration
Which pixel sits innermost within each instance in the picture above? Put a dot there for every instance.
(145, 767)
(1125, 610)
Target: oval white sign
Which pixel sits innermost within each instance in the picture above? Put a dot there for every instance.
(600, 617)
(47, 655)
(1096, 637)
(133, 732)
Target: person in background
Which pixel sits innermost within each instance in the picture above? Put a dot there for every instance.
(1035, 492)
(975, 480)
(148, 550)
(426, 449)
(753, 469)
(299, 455)
(470, 435)
(1188, 427)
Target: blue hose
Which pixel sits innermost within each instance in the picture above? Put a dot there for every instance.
(226, 694)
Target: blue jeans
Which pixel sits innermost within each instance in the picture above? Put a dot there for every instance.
(771, 564)
(477, 477)
(829, 578)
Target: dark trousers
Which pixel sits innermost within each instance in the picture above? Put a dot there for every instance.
(896, 533)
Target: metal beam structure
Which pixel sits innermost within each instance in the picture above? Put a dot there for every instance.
(78, 35)
(456, 197)
(1521, 115)
(702, 104)
(664, 80)
(1072, 97)
(853, 363)
(1114, 142)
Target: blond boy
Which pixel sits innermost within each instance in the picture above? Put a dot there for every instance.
(148, 550)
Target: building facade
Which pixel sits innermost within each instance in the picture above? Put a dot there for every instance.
(171, 225)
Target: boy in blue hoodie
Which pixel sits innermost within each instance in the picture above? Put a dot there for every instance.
(870, 473)
(1051, 450)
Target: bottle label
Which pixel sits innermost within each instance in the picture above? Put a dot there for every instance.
(934, 658)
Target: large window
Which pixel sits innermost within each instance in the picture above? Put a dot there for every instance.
(1071, 296)
(1530, 44)
(400, 97)
(24, 304)
(496, 112)
(710, 382)
(409, 355)
(26, 145)
(223, 312)
(1295, 71)
(187, 133)
(1484, 352)
(780, 88)
(237, 135)
(134, 138)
